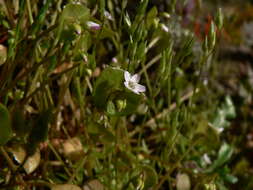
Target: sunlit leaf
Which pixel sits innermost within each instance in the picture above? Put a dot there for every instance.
(225, 112)
(151, 16)
(75, 12)
(224, 155)
(229, 108)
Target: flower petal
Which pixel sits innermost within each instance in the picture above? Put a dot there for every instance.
(140, 88)
(108, 15)
(127, 76)
(135, 91)
(135, 78)
(93, 25)
(126, 84)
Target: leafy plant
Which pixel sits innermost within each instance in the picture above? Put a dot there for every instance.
(108, 95)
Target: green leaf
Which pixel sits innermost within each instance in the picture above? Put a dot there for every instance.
(151, 16)
(226, 176)
(99, 131)
(39, 131)
(224, 155)
(93, 128)
(53, 63)
(75, 12)
(110, 81)
(220, 121)
(110, 109)
(110, 91)
(150, 177)
(72, 15)
(221, 185)
(225, 112)
(231, 179)
(185, 53)
(106, 33)
(106, 135)
(132, 102)
(40, 17)
(126, 157)
(229, 108)
(5, 125)
(18, 122)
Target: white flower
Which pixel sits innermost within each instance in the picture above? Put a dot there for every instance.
(207, 159)
(165, 28)
(114, 60)
(131, 82)
(93, 25)
(108, 15)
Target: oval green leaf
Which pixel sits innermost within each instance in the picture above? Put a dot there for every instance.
(75, 12)
(150, 177)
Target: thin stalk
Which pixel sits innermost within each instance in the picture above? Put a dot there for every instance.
(150, 63)
(174, 166)
(8, 159)
(29, 11)
(59, 158)
(171, 107)
(11, 164)
(44, 83)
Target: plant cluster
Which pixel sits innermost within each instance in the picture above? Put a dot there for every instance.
(109, 95)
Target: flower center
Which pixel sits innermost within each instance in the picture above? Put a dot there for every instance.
(131, 84)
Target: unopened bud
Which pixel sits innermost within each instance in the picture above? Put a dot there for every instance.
(78, 29)
(108, 15)
(166, 15)
(164, 28)
(212, 36)
(114, 60)
(121, 104)
(219, 19)
(127, 20)
(205, 44)
(89, 72)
